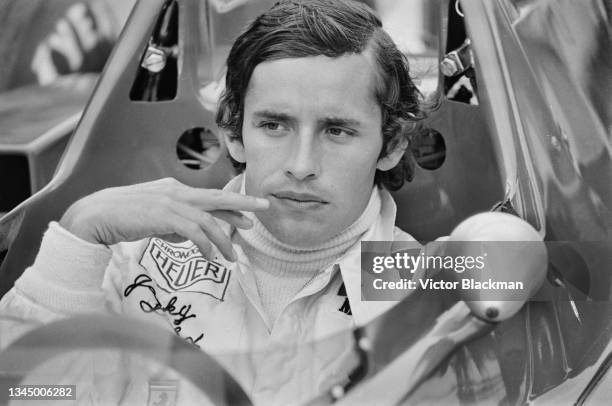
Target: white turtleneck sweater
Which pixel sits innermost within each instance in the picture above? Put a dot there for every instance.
(281, 270)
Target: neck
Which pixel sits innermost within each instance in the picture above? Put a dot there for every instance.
(266, 251)
(282, 270)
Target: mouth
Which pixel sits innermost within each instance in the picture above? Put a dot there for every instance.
(289, 196)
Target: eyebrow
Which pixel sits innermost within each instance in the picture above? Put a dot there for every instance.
(330, 121)
(273, 115)
(340, 122)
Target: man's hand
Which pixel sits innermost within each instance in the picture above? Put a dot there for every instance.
(163, 207)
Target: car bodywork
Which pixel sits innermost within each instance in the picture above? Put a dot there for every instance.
(36, 124)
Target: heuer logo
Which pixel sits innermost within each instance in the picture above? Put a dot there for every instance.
(183, 268)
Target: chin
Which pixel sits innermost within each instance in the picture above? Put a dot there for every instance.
(298, 234)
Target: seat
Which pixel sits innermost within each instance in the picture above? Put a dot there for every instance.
(437, 200)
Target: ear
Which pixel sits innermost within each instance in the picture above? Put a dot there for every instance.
(392, 158)
(234, 146)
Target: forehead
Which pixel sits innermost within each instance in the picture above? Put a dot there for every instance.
(339, 85)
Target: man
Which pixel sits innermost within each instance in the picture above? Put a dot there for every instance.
(314, 113)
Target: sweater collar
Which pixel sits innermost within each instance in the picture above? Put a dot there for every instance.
(383, 229)
(265, 251)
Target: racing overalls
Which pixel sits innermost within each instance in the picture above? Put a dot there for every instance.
(214, 305)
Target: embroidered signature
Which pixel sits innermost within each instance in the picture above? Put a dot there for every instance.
(179, 315)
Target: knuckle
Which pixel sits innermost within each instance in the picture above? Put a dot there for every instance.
(174, 185)
(171, 184)
(206, 217)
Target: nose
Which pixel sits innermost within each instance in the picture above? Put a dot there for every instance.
(303, 160)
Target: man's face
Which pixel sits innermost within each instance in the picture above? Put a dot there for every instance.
(311, 138)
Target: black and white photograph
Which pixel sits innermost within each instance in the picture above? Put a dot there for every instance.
(306, 202)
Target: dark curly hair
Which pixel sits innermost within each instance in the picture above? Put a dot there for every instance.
(302, 28)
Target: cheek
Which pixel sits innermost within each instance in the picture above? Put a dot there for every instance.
(262, 159)
(354, 169)
(257, 145)
(255, 153)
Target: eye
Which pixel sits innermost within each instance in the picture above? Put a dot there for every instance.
(338, 132)
(272, 127)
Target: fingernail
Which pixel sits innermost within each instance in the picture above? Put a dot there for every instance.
(263, 201)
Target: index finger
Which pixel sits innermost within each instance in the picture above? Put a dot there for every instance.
(216, 199)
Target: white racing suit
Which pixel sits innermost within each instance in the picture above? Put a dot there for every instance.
(213, 305)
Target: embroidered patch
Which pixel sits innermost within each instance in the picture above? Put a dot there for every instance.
(162, 393)
(184, 269)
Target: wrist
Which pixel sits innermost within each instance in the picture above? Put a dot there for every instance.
(76, 221)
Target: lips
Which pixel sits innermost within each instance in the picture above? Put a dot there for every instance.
(299, 197)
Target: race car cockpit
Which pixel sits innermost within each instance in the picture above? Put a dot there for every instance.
(502, 135)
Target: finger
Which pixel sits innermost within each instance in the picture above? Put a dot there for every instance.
(215, 199)
(235, 218)
(173, 238)
(205, 199)
(192, 231)
(207, 223)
